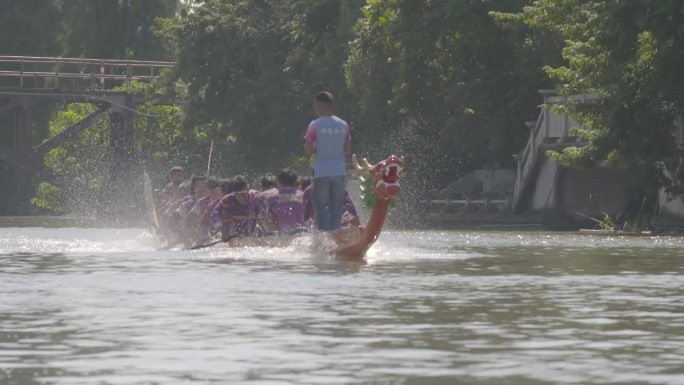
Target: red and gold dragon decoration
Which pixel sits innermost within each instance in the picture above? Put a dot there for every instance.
(353, 243)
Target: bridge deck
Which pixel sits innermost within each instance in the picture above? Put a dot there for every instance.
(106, 73)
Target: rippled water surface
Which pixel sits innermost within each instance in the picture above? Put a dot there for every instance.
(83, 306)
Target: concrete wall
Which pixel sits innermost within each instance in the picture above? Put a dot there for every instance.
(496, 181)
(670, 212)
(556, 125)
(562, 194)
(579, 193)
(668, 206)
(593, 192)
(559, 126)
(543, 196)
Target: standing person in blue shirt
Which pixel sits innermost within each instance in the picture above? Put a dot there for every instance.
(329, 139)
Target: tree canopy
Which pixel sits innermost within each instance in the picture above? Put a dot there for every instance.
(250, 69)
(631, 54)
(442, 82)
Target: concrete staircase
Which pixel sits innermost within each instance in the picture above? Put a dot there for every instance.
(551, 131)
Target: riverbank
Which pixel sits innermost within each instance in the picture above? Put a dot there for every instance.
(479, 221)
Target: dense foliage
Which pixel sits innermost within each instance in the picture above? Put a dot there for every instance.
(115, 29)
(251, 67)
(77, 175)
(449, 84)
(441, 82)
(631, 54)
(444, 83)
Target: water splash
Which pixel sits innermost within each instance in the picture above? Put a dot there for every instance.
(75, 240)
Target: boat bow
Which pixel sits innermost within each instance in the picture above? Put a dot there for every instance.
(353, 243)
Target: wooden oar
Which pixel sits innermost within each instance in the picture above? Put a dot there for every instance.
(202, 246)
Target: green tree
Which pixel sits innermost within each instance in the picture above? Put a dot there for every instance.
(101, 29)
(443, 82)
(81, 167)
(251, 68)
(18, 32)
(19, 37)
(630, 53)
(114, 29)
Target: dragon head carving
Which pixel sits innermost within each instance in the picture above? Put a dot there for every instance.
(385, 174)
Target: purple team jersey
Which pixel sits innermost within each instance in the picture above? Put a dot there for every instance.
(186, 205)
(260, 201)
(210, 216)
(329, 134)
(200, 205)
(237, 215)
(288, 209)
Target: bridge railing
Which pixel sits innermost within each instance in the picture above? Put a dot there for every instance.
(105, 73)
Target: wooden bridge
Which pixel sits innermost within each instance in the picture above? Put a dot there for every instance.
(27, 80)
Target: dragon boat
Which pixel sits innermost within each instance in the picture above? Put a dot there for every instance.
(380, 186)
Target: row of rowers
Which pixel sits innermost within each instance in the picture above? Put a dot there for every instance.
(195, 213)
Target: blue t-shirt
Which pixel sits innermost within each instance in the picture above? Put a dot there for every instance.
(329, 134)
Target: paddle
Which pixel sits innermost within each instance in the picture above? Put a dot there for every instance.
(202, 246)
(212, 243)
(211, 150)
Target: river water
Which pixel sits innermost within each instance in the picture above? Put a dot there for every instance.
(102, 306)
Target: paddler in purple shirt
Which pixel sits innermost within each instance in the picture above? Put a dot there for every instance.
(260, 203)
(236, 211)
(286, 209)
(176, 211)
(173, 190)
(213, 191)
(198, 189)
(328, 138)
(210, 218)
(191, 222)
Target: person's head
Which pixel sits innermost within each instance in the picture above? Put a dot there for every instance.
(198, 185)
(287, 178)
(268, 181)
(227, 186)
(176, 175)
(213, 187)
(304, 182)
(240, 183)
(323, 103)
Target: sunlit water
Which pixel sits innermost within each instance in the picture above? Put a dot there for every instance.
(82, 306)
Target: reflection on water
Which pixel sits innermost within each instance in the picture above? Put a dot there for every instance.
(103, 307)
